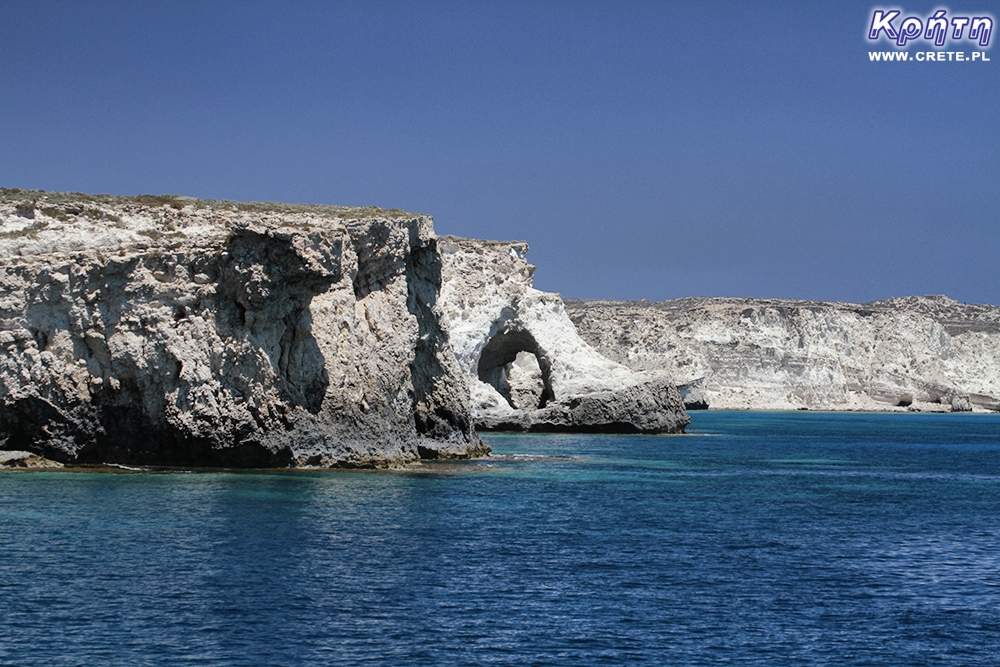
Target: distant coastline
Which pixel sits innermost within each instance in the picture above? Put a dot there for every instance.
(930, 353)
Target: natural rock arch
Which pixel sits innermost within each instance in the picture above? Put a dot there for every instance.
(499, 354)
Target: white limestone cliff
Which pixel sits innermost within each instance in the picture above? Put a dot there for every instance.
(166, 330)
(926, 353)
(172, 331)
(526, 365)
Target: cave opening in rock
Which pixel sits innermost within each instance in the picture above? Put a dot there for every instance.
(513, 364)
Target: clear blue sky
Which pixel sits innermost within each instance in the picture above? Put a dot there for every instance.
(644, 149)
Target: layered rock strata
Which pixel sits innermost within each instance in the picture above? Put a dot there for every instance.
(166, 330)
(526, 365)
(915, 353)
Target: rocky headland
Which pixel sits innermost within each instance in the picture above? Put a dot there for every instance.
(163, 330)
(913, 353)
(526, 365)
(171, 331)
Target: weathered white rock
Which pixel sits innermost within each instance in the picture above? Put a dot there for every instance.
(172, 331)
(525, 382)
(927, 353)
(20, 460)
(496, 317)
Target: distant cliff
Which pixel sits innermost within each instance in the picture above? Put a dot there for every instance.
(167, 330)
(927, 353)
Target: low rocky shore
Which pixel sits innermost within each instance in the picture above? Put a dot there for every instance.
(926, 353)
(18, 460)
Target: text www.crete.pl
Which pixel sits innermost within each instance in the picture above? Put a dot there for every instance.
(929, 56)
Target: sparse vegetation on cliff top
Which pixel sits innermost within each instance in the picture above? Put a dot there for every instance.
(178, 202)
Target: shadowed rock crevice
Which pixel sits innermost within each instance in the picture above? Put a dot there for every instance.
(273, 286)
(440, 401)
(378, 261)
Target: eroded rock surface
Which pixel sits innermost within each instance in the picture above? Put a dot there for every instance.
(526, 365)
(25, 460)
(926, 353)
(178, 332)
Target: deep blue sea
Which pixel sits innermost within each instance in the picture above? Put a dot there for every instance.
(759, 539)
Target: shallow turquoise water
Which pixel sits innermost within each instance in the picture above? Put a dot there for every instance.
(760, 539)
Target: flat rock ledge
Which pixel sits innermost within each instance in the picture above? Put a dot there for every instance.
(13, 459)
(651, 408)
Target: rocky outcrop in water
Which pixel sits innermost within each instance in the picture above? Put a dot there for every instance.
(926, 353)
(25, 461)
(166, 330)
(526, 365)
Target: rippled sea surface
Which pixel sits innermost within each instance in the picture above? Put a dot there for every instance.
(760, 539)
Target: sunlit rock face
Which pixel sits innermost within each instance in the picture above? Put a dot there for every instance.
(914, 353)
(178, 332)
(527, 367)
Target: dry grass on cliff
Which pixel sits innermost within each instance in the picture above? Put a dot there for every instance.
(42, 198)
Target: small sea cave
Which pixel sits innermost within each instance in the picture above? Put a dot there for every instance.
(513, 364)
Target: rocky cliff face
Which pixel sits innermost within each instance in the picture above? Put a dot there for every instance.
(928, 353)
(526, 365)
(173, 331)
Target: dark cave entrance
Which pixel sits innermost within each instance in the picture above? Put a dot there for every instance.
(513, 364)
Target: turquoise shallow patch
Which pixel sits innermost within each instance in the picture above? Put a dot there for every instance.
(815, 462)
